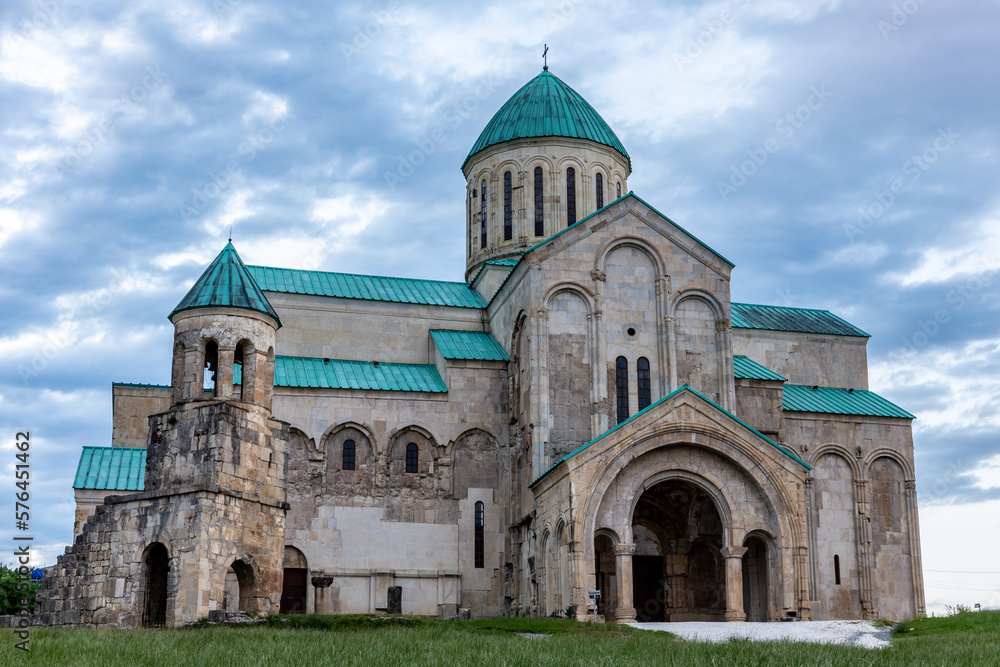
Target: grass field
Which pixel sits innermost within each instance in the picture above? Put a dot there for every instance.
(964, 639)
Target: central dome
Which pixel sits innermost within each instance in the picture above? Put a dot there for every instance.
(547, 107)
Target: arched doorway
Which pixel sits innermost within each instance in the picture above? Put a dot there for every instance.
(157, 564)
(293, 589)
(246, 585)
(755, 598)
(678, 573)
(604, 574)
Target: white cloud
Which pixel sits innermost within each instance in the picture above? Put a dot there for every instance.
(958, 539)
(986, 474)
(978, 256)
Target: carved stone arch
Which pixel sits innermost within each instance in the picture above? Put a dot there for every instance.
(298, 477)
(833, 448)
(474, 458)
(610, 533)
(711, 487)
(511, 165)
(333, 429)
(484, 174)
(580, 289)
(571, 161)
(885, 452)
(351, 472)
(601, 258)
(694, 293)
(542, 161)
(424, 482)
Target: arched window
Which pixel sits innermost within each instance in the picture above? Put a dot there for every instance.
(480, 546)
(469, 216)
(618, 190)
(642, 370)
(836, 569)
(570, 196)
(238, 372)
(349, 452)
(539, 207)
(482, 215)
(508, 210)
(211, 366)
(621, 382)
(600, 190)
(412, 457)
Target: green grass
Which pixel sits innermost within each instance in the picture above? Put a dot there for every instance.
(964, 639)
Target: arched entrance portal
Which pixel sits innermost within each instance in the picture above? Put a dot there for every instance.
(157, 563)
(678, 573)
(755, 579)
(293, 589)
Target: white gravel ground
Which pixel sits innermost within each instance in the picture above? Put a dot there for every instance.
(851, 633)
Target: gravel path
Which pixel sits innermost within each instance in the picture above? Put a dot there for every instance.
(851, 633)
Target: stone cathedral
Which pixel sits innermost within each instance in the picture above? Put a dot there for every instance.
(587, 411)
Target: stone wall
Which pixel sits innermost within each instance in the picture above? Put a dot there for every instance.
(807, 359)
(131, 406)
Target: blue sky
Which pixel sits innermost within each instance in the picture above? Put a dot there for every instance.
(844, 155)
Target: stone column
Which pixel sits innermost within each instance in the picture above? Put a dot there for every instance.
(916, 566)
(671, 354)
(863, 530)
(734, 583)
(224, 374)
(321, 597)
(623, 570)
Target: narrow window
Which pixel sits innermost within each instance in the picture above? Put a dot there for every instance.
(469, 216)
(238, 373)
(349, 450)
(411, 457)
(570, 197)
(621, 380)
(618, 190)
(539, 212)
(600, 190)
(480, 521)
(836, 568)
(482, 216)
(642, 368)
(211, 366)
(508, 211)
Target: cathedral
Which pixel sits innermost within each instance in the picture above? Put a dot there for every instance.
(587, 424)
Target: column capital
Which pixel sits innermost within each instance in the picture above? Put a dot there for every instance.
(623, 549)
(733, 552)
(322, 582)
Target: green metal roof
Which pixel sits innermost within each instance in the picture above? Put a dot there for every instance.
(226, 282)
(342, 374)
(829, 400)
(111, 469)
(779, 318)
(547, 107)
(468, 345)
(784, 450)
(371, 288)
(745, 368)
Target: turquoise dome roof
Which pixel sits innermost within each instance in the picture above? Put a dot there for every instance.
(228, 283)
(547, 107)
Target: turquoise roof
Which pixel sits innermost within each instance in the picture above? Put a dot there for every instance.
(547, 107)
(745, 368)
(111, 469)
(829, 400)
(784, 450)
(780, 318)
(476, 345)
(371, 288)
(342, 374)
(226, 282)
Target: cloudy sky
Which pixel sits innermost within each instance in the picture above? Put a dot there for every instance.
(134, 135)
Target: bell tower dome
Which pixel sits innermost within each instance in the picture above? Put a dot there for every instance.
(545, 161)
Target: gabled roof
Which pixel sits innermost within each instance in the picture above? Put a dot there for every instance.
(226, 282)
(547, 107)
(469, 345)
(111, 469)
(344, 374)
(830, 400)
(780, 318)
(371, 288)
(745, 368)
(784, 450)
